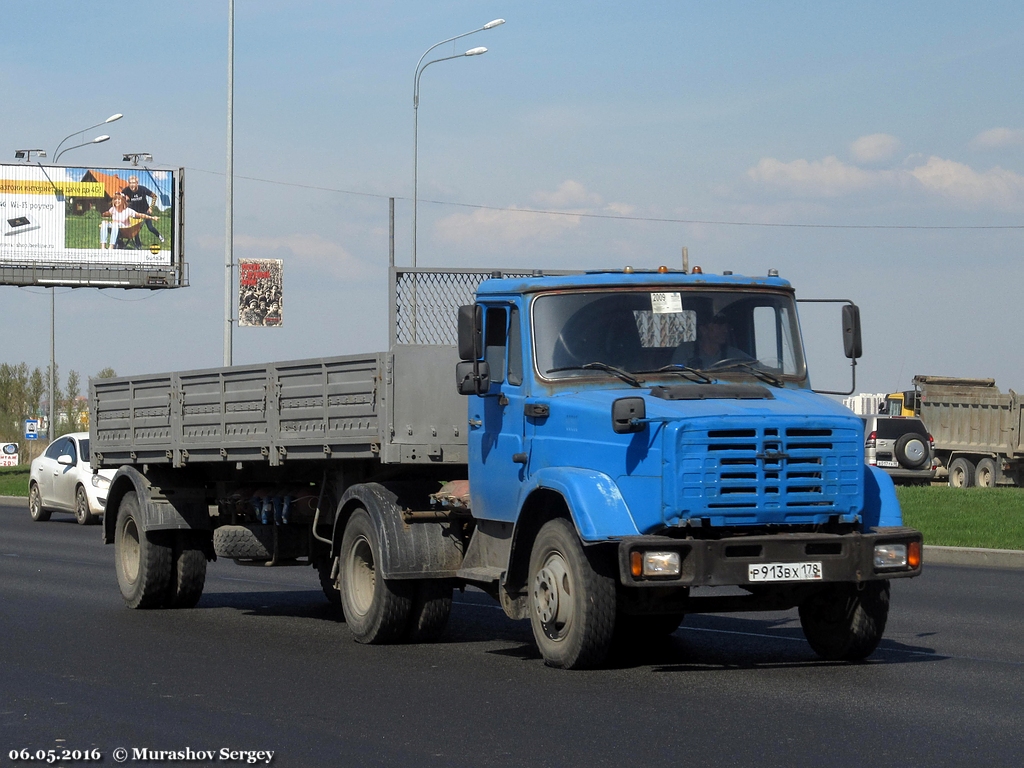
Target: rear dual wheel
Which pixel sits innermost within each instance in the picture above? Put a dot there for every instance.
(961, 474)
(162, 569)
(380, 610)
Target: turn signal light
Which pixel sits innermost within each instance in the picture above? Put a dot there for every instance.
(696, 271)
(636, 564)
(662, 270)
(914, 554)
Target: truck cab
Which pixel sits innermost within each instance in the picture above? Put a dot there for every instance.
(668, 421)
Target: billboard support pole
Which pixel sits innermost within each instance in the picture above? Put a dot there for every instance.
(51, 426)
(229, 213)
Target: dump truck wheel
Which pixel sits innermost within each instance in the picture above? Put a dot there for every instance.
(143, 564)
(986, 473)
(845, 621)
(961, 474)
(572, 606)
(376, 609)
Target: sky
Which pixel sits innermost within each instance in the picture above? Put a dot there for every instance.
(874, 152)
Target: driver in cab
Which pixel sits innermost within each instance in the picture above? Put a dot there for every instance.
(712, 345)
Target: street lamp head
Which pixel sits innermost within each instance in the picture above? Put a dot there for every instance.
(100, 139)
(113, 118)
(493, 24)
(475, 51)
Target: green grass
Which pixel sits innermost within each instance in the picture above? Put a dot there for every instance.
(14, 481)
(992, 518)
(84, 231)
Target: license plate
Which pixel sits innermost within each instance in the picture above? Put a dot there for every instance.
(887, 463)
(784, 572)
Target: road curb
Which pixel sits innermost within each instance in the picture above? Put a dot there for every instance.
(933, 555)
(976, 556)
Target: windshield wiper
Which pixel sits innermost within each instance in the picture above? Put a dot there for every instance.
(727, 365)
(691, 374)
(626, 376)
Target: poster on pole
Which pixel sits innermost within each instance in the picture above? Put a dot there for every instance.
(9, 455)
(259, 293)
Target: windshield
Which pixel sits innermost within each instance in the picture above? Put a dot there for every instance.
(710, 331)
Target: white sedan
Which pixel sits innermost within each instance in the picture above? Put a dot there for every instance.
(61, 480)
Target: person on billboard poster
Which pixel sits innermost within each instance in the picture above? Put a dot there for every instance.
(120, 217)
(273, 316)
(138, 200)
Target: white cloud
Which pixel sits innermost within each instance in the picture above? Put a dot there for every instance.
(955, 181)
(508, 226)
(998, 137)
(874, 147)
(996, 186)
(829, 177)
(570, 194)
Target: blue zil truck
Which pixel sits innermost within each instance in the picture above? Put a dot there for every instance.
(602, 453)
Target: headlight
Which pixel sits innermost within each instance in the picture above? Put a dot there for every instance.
(890, 556)
(99, 481)
(655, 564)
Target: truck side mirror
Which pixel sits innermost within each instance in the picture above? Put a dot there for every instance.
(472, 377)
(470, 324)
(625, 411)
(851, 331)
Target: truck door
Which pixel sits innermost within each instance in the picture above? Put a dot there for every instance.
(498, 452)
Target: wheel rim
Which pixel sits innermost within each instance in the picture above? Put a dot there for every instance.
(984, 477)
(81, 505)
(553, 593)
(956, 477)
(130, 550)
(360, 576)
(34, 503)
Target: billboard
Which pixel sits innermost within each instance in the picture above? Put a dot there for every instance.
(82, 225)
(259, 292)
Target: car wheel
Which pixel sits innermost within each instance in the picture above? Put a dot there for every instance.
(911, 451)
(35, 505)
(82, 514)
(985, 474)
(961, 474)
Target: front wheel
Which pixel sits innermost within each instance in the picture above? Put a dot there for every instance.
(572, 606)
(376, 609)
(35, 505)
(845, 621)
(143, 565)
(82, 514)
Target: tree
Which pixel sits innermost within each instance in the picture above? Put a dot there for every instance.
(106, 373)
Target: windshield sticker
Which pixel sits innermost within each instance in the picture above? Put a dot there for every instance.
(666, 303)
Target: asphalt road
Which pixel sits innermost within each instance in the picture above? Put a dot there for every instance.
(263, 663)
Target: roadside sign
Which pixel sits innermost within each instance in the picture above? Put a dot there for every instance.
(31, 429)
(8, 454)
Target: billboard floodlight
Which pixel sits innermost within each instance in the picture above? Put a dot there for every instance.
(135, 157)
(26, 154)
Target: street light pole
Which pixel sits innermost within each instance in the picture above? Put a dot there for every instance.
(229, 213)
(51, 427)
(416, 106)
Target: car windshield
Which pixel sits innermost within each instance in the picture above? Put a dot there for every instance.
(695, 333)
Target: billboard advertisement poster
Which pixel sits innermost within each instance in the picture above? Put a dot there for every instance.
(8, 455)
(87, 216)
(259, 292)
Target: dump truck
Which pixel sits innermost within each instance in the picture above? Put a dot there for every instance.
(563, 442)
(978, 431)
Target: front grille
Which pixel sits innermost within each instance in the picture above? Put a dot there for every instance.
(768, 475)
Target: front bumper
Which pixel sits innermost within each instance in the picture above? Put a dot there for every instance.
(726, 562)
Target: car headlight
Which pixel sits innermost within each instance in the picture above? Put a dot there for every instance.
(99, 481)
(654, 564)
(890, 556)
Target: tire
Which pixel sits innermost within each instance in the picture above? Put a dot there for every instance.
(961, 474)
(35, 505)
(912, 451)
(431, 607)
(327, 584)
(376, 609)
(986, 473)
(189, 576)
(845, 621)
(237, 542)
(637, 631)
(144, 562)
(82, 514)
(572, 606)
